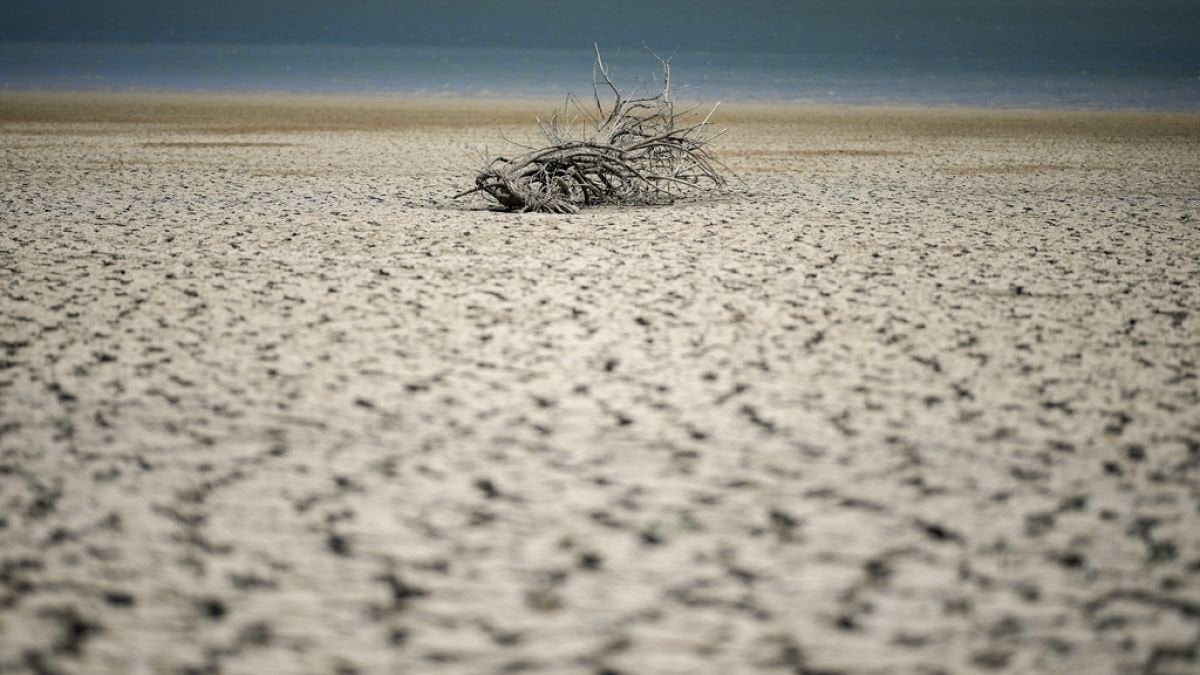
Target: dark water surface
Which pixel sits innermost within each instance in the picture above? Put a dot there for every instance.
(933, 78)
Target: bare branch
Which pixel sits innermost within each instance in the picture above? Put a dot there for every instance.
(638, 150)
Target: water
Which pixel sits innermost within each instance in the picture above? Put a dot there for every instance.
(931, 79)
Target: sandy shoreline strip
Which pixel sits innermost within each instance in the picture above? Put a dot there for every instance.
(924, 397)
(294, 111)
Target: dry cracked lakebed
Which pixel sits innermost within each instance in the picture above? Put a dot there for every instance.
(924, 400)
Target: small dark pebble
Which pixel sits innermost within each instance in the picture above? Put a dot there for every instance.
(1072, 560)
(650, 537)
(338, 544)
(1076, 503)
(782, 520)
(878, 570)
(213, 608)
(402, 591)
(119, 599)
(487, 487)
(940, 533)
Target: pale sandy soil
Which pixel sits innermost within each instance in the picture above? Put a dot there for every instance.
(925, 400)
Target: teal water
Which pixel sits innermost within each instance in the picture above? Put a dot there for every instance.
(1037, 81)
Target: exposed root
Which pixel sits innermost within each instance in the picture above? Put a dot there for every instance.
(630, 151)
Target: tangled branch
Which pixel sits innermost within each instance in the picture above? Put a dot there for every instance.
(632, 150)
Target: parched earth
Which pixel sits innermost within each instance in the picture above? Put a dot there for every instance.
(922, 398)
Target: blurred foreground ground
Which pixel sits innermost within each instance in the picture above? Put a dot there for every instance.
(924, 400)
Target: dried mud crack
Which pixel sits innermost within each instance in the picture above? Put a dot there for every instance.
(268, 406)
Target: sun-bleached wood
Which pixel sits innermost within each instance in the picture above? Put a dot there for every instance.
(618, 149)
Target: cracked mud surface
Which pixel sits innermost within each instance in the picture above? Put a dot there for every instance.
(926, 401)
